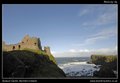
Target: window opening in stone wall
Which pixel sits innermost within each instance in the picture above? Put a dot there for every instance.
(34, 43)
(13, 47)
(19, 46)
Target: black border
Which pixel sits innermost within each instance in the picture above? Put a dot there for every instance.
(60, 1)
(54, 1)
(57, 2)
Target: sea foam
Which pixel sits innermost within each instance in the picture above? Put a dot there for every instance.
(79, 68)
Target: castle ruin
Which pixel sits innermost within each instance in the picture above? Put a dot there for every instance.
(47, 50)
(26, 43)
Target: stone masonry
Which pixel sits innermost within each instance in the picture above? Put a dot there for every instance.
(26, 43)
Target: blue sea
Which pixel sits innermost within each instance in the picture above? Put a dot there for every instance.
(77, 66)
(64, 60)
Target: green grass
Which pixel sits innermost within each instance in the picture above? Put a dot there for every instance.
(52, 59)
(42, 53)
(97, 59)
(36, 51)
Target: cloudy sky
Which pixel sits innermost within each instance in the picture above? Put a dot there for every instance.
(71, 30)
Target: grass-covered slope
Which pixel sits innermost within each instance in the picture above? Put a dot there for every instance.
(42, 53)
(29, 64)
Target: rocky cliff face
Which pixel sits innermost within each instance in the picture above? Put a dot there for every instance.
(108, 65)
(26, 59)
(27, 64)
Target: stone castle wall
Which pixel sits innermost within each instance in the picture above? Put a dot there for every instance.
(26, 43)
(47, 50)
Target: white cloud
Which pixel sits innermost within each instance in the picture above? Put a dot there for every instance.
(86, 52)
(107, 15)
(83, 12)
(116, 49)
(110, 31)
(53, 52)
(101, 35)
(90, 41)
(104, 19)
(107, 51)
(94, 39)
(72, 50)
(80, 50)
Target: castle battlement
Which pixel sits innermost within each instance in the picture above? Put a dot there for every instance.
(27, 42)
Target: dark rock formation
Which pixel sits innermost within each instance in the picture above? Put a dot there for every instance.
(104, 71)
(108, 65)
(27, 64)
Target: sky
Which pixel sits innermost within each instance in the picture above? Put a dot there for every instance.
(71, 30)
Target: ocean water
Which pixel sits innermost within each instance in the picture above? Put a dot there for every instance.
(64, 60)
(77, 66)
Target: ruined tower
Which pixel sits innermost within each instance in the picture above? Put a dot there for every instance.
(47, 50)
(31, 42)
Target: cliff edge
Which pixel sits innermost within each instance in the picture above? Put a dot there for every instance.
(108, 65)
(28, 64)
(27, 59)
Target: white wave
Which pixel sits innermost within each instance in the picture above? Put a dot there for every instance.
(78, 68)
(76, 60)
(73, 64)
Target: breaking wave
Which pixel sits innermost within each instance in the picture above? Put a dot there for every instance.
(79, 68)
